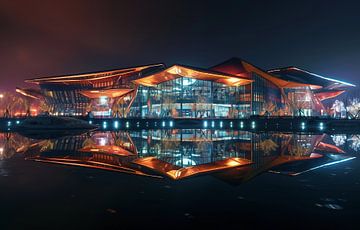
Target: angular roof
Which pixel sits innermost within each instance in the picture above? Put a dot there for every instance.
(296, 74)
(241, 68)
(32, 93)
(175, 172)
(94, 76)
(177, 71)
(111, 93)
(328, 94)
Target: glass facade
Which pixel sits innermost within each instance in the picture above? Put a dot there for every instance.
(189, 147)
(263, 94)
(191, 98)
(303, 102)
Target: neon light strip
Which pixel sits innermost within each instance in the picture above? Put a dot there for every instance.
(324, 165)
(326, 78)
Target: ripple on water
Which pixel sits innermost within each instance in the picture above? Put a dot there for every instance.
(333, 206)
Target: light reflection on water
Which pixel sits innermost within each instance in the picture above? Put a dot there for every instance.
(233, 156)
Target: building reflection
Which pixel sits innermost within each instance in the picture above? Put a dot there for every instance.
(233, 156)
(12, 143)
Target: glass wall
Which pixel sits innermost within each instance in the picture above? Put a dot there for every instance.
(189, 147)
(187, 97)
(266, 96)
(302, 100)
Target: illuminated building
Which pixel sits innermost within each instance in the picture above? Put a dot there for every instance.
(232, 89)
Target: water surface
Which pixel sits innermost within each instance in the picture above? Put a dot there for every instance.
(179, 178)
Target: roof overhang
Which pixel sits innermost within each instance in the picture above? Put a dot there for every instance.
(277, 81)
(109, 149)
(177, 71)
(241, 68)
(303, 75)
(111, 93)
(31, 93)
(92, 76)
(328, 94)
(176, 173)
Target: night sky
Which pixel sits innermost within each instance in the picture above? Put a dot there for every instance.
(41, 38)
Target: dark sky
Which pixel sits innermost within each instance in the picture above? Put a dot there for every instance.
(40, 38)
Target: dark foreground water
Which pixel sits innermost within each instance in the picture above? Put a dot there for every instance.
(179, 179)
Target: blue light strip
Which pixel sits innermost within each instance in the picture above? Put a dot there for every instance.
(326, 78)
(324, 165)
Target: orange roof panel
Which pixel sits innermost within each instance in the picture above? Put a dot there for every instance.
(91, 76)
(177, 71)
(177, 173)
(111, 93)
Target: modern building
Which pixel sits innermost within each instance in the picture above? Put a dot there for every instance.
(231, 89)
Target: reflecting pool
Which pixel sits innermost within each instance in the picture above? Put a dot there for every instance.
(186, 176)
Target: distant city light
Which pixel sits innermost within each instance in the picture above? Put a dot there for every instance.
(163, 124)
(253, 124)
(127, 125)
(205, 124)
(104, 124)
(321, 126)
(221, 124)
(212, 124)
(241, 124)
(171, 123)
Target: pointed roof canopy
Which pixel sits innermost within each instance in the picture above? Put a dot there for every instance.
(177, 71)
(176, 173)
(31, 93)
(111, 93)
(241, 68)
(94, 76)
(328, 94)
(296, 74)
